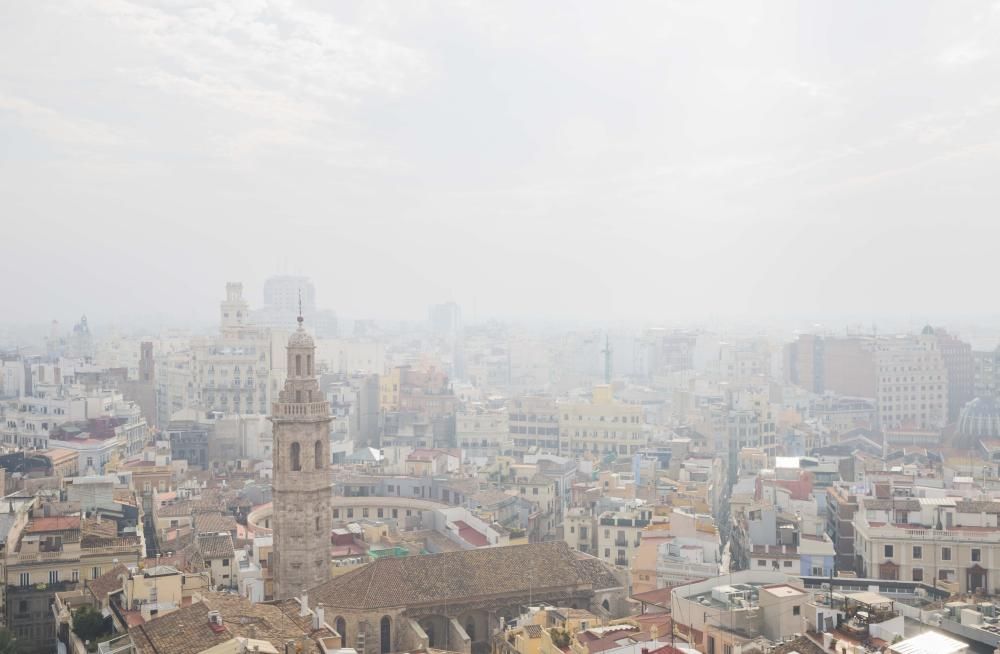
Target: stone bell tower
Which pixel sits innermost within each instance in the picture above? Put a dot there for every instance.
(301, 483)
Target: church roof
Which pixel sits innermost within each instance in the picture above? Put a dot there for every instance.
(463, 575)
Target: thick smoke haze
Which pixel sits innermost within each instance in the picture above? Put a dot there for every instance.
(580, 160)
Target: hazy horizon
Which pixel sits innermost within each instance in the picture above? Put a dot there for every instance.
(583, 162)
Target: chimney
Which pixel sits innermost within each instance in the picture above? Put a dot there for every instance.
(304, 604)
(318, 617)
(215, 622)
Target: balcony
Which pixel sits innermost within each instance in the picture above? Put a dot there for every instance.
(300, 410)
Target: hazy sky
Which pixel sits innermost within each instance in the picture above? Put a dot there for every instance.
(563, 159)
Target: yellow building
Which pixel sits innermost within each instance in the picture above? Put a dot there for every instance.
(388, 387)
(602, 425)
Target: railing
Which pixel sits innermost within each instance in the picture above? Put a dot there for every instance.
(300, 410)
(953, 535)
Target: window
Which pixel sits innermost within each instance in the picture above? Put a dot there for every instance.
(95, 572)
(761, 563)
(796, 610)
(946, 554)
(381, 512)
(534, 491)
(918, 552)
(350, 513)
(225, 562)
(76, 576)
(385, 635)
(977, 554)
(918, 574)
(336, 514)
(318, 454)
(395, 513)
(888, 551)
(298, 365)
(788, 564)
(607, 552)
(53, 576)
(294, 456)
(25, 579)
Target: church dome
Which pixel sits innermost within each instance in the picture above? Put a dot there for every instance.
(300, 338)
(981, 418)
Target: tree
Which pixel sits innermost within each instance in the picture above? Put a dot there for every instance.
(88, 623)
(8, 644)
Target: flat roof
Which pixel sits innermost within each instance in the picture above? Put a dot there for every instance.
(929, 642)
(783, 590)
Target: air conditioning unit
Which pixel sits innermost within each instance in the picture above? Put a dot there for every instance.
(825, 585)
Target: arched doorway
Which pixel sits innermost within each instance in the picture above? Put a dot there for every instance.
(385, 635)
(341, 626)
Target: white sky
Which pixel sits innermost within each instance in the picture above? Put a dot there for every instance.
(563, 160)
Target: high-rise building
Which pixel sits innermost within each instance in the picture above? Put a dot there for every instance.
(957, 355)
(301, 483)
(282, 297)
(911, 383)
(845, 366)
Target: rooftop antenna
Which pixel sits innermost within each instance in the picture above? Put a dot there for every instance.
(607, 358)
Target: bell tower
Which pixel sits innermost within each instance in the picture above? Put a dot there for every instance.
(301, 475)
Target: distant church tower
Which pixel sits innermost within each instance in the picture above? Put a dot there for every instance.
(301, 483)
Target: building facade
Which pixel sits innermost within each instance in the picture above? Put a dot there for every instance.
(302, 484)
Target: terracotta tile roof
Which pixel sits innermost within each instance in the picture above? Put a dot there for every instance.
(215, 546)
(213, 523)
(107, 583)
(458, 576)
(802, 645)
(533, 630)
(187, 631)
(595, 572)
(53, 523)
(177, 510)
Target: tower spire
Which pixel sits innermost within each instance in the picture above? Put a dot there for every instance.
(300, 319)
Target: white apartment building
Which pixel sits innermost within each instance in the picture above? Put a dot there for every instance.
(27, 422)
(620, 532)
(951, 542)
(911, 383)
(233, 372)
(481, 431)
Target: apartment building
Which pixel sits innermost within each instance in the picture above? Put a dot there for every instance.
(620, 532)
(534, 424)
(482, 431)
(602, 426)
(911, 384)
(50, 554)
(953, 543)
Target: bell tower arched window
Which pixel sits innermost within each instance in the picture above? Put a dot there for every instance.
(319, 454)
(298, 365)
(294, 455)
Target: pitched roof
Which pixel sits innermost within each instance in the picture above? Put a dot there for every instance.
(187, 631)
(213, 523)
(457, 576)
(53, 523)
(215, 546)
(108, 582)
